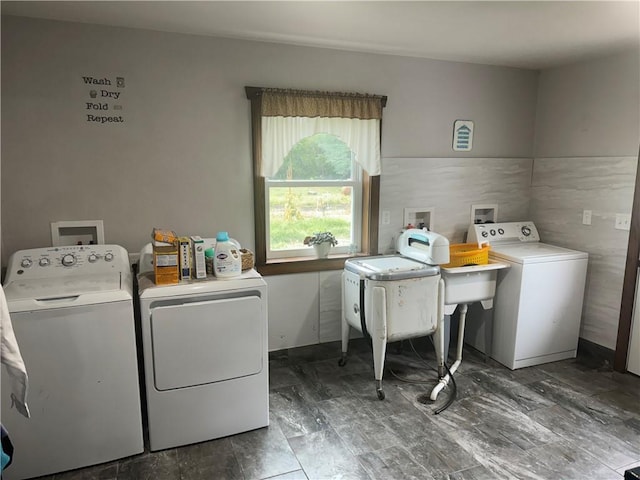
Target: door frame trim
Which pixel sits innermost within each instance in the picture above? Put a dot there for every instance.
(629, 282)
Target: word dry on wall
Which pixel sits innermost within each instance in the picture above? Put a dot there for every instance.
(104, 100)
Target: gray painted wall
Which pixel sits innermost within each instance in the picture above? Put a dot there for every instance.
(182, 159)
(590, 109)
(587, 138)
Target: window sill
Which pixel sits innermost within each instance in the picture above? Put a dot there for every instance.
(281, 266)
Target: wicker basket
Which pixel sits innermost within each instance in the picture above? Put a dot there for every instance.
(248, 260)
(462, 254)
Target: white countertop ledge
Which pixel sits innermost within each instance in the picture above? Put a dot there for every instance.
(492, 265)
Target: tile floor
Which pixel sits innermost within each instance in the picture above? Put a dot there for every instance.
(573, 419)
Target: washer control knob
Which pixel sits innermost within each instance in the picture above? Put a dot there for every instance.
(26, 263)
(485, 234)
(93, 258)
(44, 262)
(108, 257)
(68, 260)
(493, 232)
(501, 231)
(526, 231)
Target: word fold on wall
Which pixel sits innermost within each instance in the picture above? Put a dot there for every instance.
(104, 103)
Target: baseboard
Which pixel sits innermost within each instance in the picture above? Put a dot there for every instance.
(595, 355)
(633, 474)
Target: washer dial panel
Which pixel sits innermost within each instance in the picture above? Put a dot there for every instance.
(507, 232)
(85, 259)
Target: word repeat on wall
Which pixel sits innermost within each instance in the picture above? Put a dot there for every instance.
(104, 97)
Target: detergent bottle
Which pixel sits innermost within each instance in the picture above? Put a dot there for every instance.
(208, 260)
(227, 260)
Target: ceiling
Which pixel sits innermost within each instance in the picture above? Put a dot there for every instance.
(525, 34)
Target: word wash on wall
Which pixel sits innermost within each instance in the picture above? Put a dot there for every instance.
(104, 100)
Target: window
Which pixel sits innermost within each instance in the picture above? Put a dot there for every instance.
(318, 188)
(316, 168)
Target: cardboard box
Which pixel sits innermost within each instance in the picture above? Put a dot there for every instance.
(199, 268)
(165, 264)
(164, 235)
(185, 258)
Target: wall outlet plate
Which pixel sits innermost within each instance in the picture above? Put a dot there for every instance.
(623, 221)
(586, 217)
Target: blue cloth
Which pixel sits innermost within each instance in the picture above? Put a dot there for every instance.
(7, 448)
(4, 459)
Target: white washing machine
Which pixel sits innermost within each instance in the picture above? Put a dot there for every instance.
(72, 313)
(392, 297)
(538, 303)
(205, 356)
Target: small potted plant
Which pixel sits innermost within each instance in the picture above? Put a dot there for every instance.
(322, 242)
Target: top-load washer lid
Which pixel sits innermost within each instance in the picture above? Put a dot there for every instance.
(534, 252)
(58, 292)
(390, 267)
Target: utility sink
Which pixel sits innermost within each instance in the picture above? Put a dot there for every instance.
(469, 284)
(463, 286)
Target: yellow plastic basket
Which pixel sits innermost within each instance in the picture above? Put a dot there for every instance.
(461, 254)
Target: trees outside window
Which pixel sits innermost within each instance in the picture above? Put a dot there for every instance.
(317, 189)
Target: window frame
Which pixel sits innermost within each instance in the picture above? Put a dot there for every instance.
(370, 186)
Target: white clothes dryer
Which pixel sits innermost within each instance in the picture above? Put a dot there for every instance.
(72, 312)
(538, 303)
(205, 356)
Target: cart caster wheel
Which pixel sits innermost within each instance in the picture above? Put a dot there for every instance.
(343, 360)
(380, 394)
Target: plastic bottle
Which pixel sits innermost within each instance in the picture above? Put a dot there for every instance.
(208, 260)
(227, 261)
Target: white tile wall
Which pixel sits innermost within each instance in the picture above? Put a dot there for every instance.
(561, 189)
(293, 310)
(330, 306)
(552, 192)
(452, 185)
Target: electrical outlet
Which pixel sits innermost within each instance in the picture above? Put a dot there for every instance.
(586, 217)
(386, 217)
(623, 221)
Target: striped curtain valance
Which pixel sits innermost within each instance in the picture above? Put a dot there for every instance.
(302, 103)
